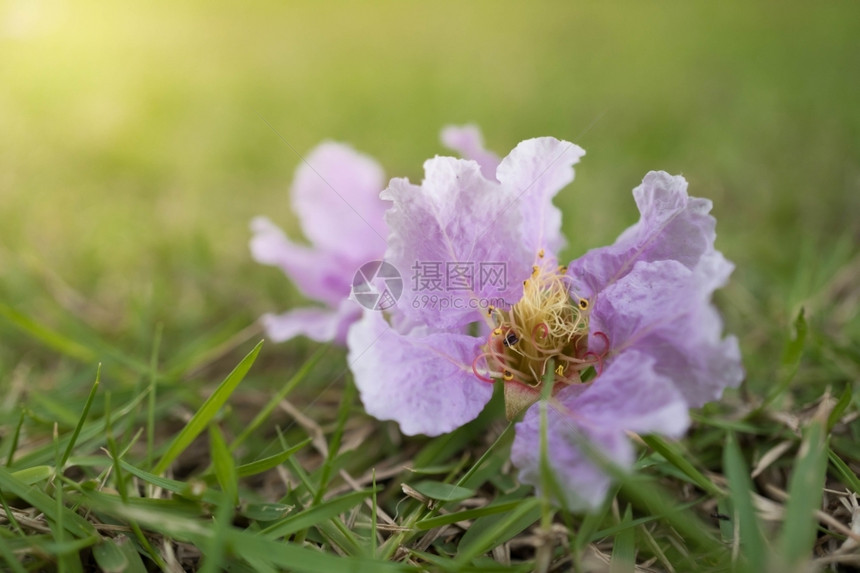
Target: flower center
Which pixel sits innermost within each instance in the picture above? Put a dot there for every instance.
(546, 328)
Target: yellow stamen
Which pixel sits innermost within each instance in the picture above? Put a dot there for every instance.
(545, 325)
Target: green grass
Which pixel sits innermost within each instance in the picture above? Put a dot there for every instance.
(144, 427)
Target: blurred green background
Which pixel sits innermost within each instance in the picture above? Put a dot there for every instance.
(136, 148)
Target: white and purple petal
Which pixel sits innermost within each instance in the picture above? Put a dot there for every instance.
(663, 309)
(468, 142)
(651, 291)
(587, 422)
(672, 226)
(336, 195)
(537, 169)
(423, 380)
(320, 324)
(320, 275)
(444, 233)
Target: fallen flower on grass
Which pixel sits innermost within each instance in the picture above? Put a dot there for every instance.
(625, 335)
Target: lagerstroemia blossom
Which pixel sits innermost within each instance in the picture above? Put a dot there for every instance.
(628, 329)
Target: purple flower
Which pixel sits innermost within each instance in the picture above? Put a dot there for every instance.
(336, 196)
(628, 330)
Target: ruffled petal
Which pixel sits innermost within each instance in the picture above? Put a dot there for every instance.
(630, 395)
(585, 421)
(582, 482)
(455, 240)
(423, 381)
(673, 226)
(537, 169)
(319, 275)
(336, 195)
(663, 309)
(317, 324)
(468, 142)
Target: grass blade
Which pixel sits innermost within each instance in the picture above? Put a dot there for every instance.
(500, 530)
(72, 522)
(291, 557)
(673, 454)
(207, 411)
(791, 355)
(316, 514)
(47, 336)
(449, 518)
(13, 443)
(34, 474)
(120, 481)
(442, 491)
(804, 497)
(93, 432)
(840, 407)
(9, 558)
(752, 542)
(270, 462)
(178, 487)
(215, 552)
(152, 395)
(83, 418)
(624, 549)
(343, 412)
(845, 474)
(118, 555)
(225, 467)
(653, 499)
(270, 406)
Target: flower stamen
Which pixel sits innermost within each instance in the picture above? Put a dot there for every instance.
(547, 324)
(477, 374)
(605, 339)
